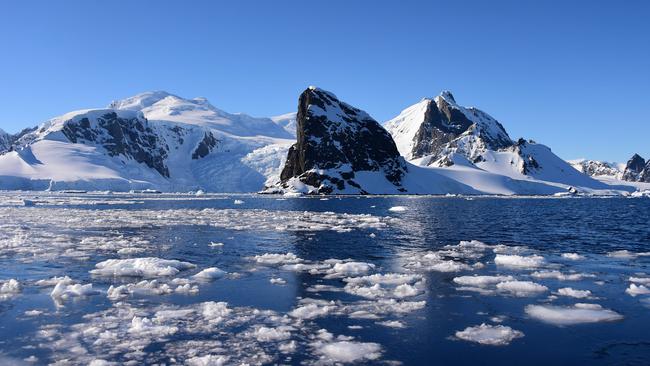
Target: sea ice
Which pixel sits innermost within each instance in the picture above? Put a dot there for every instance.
(346, 351)
(521, 288)
(397, 209)
(569, 315)
(570, 292)
(492, 335)
(518, 261)
(573, 256)
(209, 274)
(635, 290)
(481, 281)
(147, 267)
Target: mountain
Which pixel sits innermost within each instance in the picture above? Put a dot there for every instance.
(439, 132)
(287, 122)
(637, 170)
(152, 140)
(5, 141)
(596, 168)
(340, 149)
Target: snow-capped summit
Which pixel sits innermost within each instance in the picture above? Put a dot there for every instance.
(436, 127)
(163, 106)
(287, 121)
(596, 168)
(339, 148)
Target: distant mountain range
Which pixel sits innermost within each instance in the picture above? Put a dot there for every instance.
(157, 140)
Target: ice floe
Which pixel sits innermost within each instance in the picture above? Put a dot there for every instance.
(147, 267)
(397, 209)
(557, 275)
(492, 335)
(521, 288)
(635, 290)
(209, 274)
(570, 315)
(571, 292)
(518, 261)
(573, 256)
(9, 289)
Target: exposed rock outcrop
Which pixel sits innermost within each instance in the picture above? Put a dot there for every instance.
(335, 142)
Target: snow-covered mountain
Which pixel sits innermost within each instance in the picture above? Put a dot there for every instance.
(439, 132)
(287, 122)
(152, 140)
(596, 168)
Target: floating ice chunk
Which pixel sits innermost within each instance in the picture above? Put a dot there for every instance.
(573, 256)
(33, 312)
(352, 268)
(277, 259)
(288, 347)
(63, 291)
(641, 280)
(569, 315)
(397, 209)
(347, 351)
(143, 288)
(209, 274)
(11, 286)
(522, 288)
(148, 267)
(385, 279)
(208, 360)
(518, 261)
(570, 292)
(215, 312)
(277, 281)
(481, 281)
(264, 334)
(238, 202)
(561, 276)
(635, 290)
(54, 281)
(626, 254)
(143, 326)
(492, 335)
(101, 362)
(311, 311)
(215, 244)
(392, 324)
(405, 290)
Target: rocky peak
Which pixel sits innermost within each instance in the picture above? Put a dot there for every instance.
(637, 169)
(335, 141)
(435, 127)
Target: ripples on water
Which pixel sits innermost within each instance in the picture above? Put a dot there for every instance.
(362, 283)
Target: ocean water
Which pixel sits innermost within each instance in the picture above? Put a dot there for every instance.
(373, 280)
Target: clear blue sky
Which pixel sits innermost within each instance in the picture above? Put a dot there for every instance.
(574, 75)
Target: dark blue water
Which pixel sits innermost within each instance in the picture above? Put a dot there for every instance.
(546, 227)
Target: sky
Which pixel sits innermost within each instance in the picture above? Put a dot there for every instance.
(574, 75)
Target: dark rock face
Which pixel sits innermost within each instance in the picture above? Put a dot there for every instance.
(529, 163)
(444, 122)
(205, 146)
(335, 140)
(637, 169)
(129, 137)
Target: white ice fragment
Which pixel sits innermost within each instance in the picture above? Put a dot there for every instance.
(481, 281)
(573, 256)
(392, 324)
(10, 287)
(561, 276)
(209, 274)
(265, 334)
(54, 281)
(148, 267)
(347, 351)
(635, 290)
(492, 335)
(277, 281)
(518, 261)
(208, 360)
(397, 209)
(310, 311)
(352, 268)
(570, 292)
(569, 315)
(522, 288)
(277, 258)
(63, 290)
(641, 280)
(238, 202)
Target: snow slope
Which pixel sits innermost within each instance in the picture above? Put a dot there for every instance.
(153, 140)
